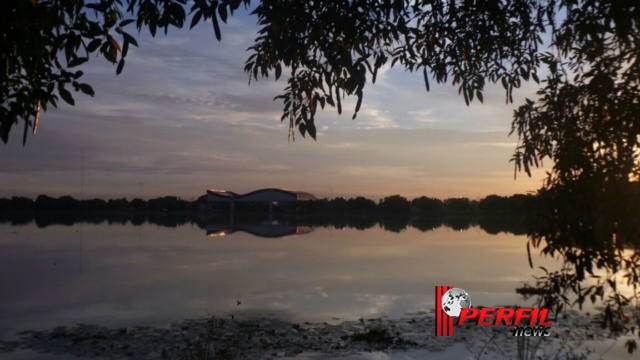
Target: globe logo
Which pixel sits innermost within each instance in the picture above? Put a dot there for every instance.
(454, 300)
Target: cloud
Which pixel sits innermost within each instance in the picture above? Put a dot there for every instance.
(182, 118)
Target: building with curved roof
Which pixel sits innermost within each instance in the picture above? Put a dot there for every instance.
(269, 195)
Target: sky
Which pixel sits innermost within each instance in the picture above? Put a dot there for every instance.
(182, 118)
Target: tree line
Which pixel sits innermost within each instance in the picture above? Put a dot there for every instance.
(395, 204)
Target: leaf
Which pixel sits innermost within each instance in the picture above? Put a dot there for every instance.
(278, 70)
(112, 54)
(126, 22)
(631, 346)
(303, 129)
(130, 39)
(216, 27)
(114, 43)
(338, 99)
(529, 254)
(311, 129)
(466, 97)
(93, 45)
(87, 89)
(222, 10)
(504, 83)
(120, 66)
(535, 78)
(426, 78)
(196, 18)
(77, 61)
(479, 96)
(153, 27)
(66, 96)
(125, 48)
(330, 101)
(359, 94)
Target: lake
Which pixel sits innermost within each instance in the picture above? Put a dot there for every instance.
(121, 275)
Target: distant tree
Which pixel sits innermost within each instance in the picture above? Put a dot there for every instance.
(44, 203)
(493, 204)
(395, 204)
(68, 203)
(5, 205)
(118, 205)
(427, 205)
(338, 204)
(138, 204)
(459, 205)
(95, 205)
(19, 203)
(361, 204)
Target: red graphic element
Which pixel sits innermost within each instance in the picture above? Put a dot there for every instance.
(489, 317)
(506, 316)
(444, 322)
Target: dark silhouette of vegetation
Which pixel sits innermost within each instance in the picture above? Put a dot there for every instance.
(585, 119)
(391, 205)
(331, 47)
(427, 205)
(395, 204)
(491, 225)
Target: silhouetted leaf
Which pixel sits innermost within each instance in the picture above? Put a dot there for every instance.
(216, 27)
(66, 96)
(535, 77)
(77, 61)
(426, 78)
(120, 66)
(130, 39)
(631, 346)
(114, 43)
(93, 45)
(303, 129)
(359, 94)
(311, 129)
(278, 70)
(126, 22)
(85, 88)
(196, 19)
(125, 48)
(222, 10)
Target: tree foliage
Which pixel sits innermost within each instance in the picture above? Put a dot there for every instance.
(44, 42)
(330, 47)
(585, 119)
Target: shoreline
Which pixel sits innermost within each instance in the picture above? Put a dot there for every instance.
(268, 338)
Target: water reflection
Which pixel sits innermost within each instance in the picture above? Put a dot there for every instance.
(165, 269)
(268, 230)
(277, 225)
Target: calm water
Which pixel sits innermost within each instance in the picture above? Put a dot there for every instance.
(125, 275)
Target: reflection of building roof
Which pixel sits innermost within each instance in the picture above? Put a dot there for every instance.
(259, 195)
(267, 231)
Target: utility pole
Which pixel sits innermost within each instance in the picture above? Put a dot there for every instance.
(83, 206)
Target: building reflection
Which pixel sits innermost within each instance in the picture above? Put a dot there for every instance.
(265, 230)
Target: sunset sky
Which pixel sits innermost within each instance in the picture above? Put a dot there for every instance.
(181, 118)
